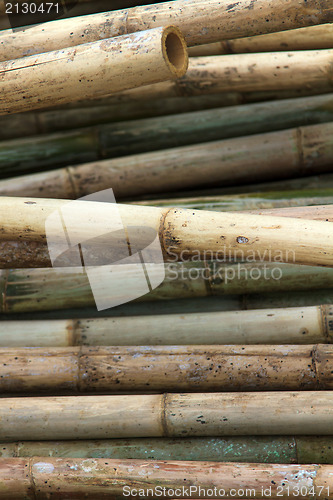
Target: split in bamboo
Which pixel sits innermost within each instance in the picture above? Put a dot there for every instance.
(169, 415)
(182, 233)
(258, 449)
(151, 369)
(300, 325)
(200, 23)
(309, 38)
(288, 153)
(92, 69)
(142, 136)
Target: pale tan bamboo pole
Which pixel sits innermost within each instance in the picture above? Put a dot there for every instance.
(173, 415)
(37, 478)
(150, 369)
(200, 23)
(309, 38)
(181, 232)
(93, 69)
(299, 325)
(283, 154)
(323, 213)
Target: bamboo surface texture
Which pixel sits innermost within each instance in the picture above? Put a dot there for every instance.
(249, 449)
(25, 290)
(309, 38)
(142, 136)
(299, 325)
(37, 478)
(200, 22)
(276, 155)
(181, 232)
(170, 415)
(92, 69)
(150, 369)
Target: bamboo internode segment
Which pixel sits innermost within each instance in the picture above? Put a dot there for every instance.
(37, 478)
(130, 138)
(309, 38)
(149, 369)
(261, 157)
(315, 213)
(200, 22)
(170, 415)
(253, 449)
(182, 233)
(23, 290)
(92, 69)
(299, 325)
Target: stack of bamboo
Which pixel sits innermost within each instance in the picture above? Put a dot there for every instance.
(220, 378)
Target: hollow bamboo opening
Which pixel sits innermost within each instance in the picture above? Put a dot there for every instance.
(175, 50)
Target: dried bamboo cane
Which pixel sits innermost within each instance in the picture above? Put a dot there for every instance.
(309, 38)
(302, 325)
(62, 288)
(39, 477)
(258, 449)
(30, 254)
(199, 22)
(288, 153)
(251, 201)
(92, 70)
(172, 415)
(150, 369)
(182, 233)
(132, 137)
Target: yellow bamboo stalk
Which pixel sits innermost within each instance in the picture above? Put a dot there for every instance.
(299, 325)
(309, 38)
(40, 477)
(200, 23)
(93, 69)
(157, 415)
(181, 232)
(150, 369)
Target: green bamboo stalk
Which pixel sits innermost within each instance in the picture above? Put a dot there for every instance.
(101, 111)
(270, 156)
(45, 289)
(300, 325)
(258, 449)
(155, 369)
(249, 201)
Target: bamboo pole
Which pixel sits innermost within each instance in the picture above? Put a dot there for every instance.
(182, 233)
(92, 70)
(37, 478)
(133, 137)
(31, 254)
(150, 369)
(309, 38)
(274, 155)
(199, 23)
(258, 449)
(251, 201)
(25, 290)
(50, 121)
(172, 415)
(300, 325)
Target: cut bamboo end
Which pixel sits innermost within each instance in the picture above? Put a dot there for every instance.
(174, 50)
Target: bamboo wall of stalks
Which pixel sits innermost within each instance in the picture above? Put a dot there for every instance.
(220, 376)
